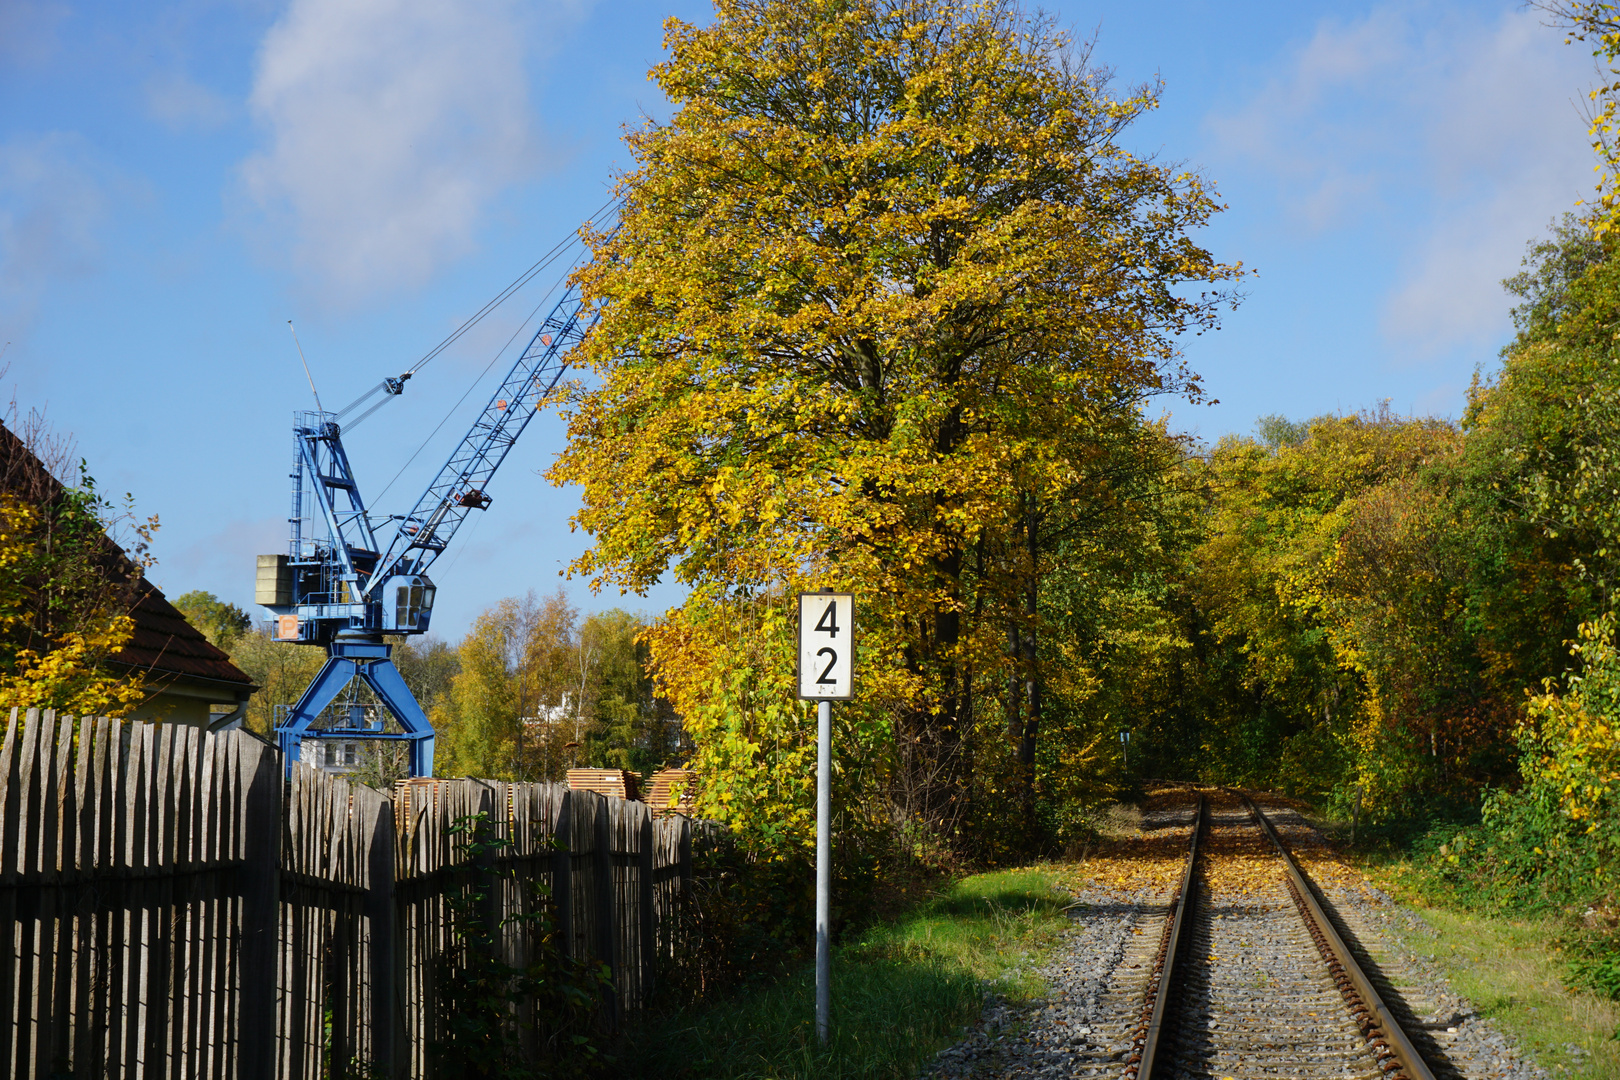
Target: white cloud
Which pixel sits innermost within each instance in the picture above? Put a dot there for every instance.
(391, 125)
(52, 205)
(1298, 130)
(1454, 135)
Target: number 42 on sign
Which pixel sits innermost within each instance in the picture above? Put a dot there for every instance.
(826, 646)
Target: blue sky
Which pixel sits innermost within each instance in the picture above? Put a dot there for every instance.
(178, 179)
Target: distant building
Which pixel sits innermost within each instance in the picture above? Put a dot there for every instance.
(337, 756)
(547, 718)
(188, 680)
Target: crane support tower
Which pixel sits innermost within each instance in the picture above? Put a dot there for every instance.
(337, 589)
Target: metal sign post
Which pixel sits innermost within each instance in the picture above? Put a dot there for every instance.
(1125, 743)
(826, 674)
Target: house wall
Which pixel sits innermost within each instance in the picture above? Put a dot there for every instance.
(185, 701)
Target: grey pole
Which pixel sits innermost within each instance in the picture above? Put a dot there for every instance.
(823, 870)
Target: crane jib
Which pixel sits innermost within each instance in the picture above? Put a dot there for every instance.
(460, 485)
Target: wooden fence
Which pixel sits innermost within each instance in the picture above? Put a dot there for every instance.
(178, 909)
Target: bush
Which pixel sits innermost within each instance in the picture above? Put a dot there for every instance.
(1553, 843)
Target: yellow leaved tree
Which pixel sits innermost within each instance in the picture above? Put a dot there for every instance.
(65, 593)
(875, 285)
(1597, 23)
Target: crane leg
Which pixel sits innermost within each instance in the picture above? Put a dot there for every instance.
(328, 683)
(389, 686)
(369, 661)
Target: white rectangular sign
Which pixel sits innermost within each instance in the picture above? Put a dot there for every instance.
(826, 646)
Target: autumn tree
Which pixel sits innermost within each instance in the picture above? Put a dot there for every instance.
(66, 587)
(1596, 23)
(1111, 637)
(1333, 606)
(512, 679)
(536, 689)
(865, 280)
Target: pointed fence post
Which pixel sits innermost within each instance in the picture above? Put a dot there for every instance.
(379, 820)
(261, 775)
(647, 961)
(562, 872)
(605, 889)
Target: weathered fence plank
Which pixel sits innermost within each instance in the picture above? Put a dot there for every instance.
(177, 909)
(259, 876)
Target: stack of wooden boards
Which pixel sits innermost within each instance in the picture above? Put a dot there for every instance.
(672, 791)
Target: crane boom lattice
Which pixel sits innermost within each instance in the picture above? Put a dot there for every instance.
(460, 487)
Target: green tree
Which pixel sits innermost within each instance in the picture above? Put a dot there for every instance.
(220, 622)
(1541, 461)
(505, 715)
(864, 281)
(1114, 641)
(535, 690)
(428, 665)
(632, 727)
(1333, 616)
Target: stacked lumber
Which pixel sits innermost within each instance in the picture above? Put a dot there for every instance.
(614, 783)
(673, 791)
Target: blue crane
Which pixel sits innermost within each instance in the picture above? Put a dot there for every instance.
(338, 589)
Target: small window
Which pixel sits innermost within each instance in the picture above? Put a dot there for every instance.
(416, 602)
(402, 603)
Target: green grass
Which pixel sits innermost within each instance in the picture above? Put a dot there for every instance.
(1513, 970)
(1512, 966)
(1513, 973)
(901, 992)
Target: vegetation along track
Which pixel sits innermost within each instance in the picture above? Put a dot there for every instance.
(1252, 978)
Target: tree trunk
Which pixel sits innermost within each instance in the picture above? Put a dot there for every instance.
(931, 730)
(1015, 686)
(1031, 727)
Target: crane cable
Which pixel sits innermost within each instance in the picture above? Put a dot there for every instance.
(393, 386)
(523, 279)
(528, 275)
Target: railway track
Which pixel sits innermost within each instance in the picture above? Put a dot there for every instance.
(1208, 953)
(1251, 977)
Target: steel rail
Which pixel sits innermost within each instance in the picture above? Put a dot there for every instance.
(1384, 1028)
(1169, 948)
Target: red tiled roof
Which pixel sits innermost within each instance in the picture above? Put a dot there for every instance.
(164, 643)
